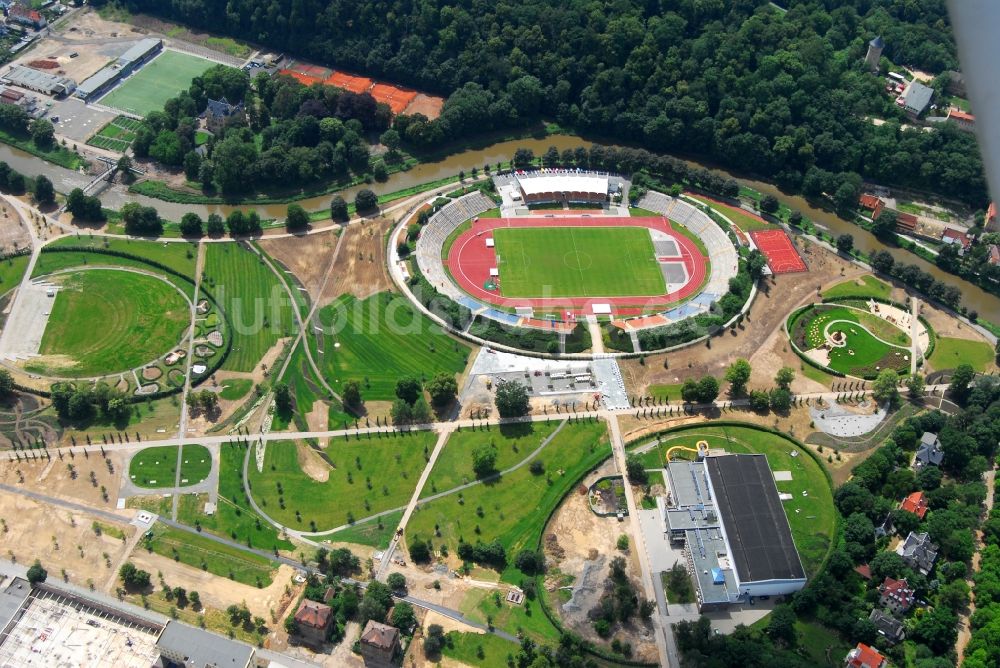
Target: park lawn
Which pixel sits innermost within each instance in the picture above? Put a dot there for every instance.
(745, 220)
(104, 321)
(235, 388)
(49, 262)
(155, 503)
(818, 375)
(209, 555)
(382, 339)
(307, 391)
(516, 506)
(577, 262)
(478, 649)
(375, 533)
(159, 80)
(254, 300)
(863, 352)
(179, 256)
(823, 646)
(527, 618)
(371, 474)
(154, 467)
(514, 442)
(668, 391)
(233, 518)
(11, 272)
(872, 287)
(812, 518)
(950, 352)
(196, 463)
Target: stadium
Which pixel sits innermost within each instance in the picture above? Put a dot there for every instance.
(559, 247)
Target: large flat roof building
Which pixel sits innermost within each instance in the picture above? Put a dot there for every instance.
(727, 511)
(560, 185)
(36, 80)
(192, 647)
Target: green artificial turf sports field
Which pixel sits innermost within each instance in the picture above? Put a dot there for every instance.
(105, 321)
(254, 300)
(812, 517)
(156, 82)
(383, 339)
(369, 475)
(577, 262)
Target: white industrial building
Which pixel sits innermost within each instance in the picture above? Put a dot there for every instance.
(727, 511)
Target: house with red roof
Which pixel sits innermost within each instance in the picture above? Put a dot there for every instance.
(896, 596)
(991, 217)
(952, 236)
(915, 503)
(873, 203)
(864, 571)
(864, 656)
(26, 16)
(313, 620)
(964, 121)
(992, 253)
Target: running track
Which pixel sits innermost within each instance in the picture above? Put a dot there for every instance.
(470, 261)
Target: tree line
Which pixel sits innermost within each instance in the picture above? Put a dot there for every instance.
(781, 94)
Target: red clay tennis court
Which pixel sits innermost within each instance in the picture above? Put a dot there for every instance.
(779, 250)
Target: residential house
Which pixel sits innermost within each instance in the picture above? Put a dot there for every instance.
(929, 452)
(952, 236)
(918, 552)
(218, 113)
(915, 503)
(990, 223)
(864, 571)
(26, 16)
(887, 528)
(906, 222)
(380, 645)
(896, 596)
(962, 120)
(873, 203)
(314, 621)
(864, 656)
(888, 626)
(915, 98)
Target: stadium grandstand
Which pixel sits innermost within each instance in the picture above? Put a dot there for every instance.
(562, 185)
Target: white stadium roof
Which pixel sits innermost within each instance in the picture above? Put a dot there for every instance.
(560, 183)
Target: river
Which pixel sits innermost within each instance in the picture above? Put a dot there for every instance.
(973, 297)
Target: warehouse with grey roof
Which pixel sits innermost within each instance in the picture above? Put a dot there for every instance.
(38, 81)
(727, 512)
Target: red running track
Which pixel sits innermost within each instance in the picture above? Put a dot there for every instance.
(470, 261)
(779, 250)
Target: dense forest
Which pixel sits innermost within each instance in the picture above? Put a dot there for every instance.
(740, 81)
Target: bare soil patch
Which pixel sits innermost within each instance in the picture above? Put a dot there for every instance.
(54, 477)
(13, 232)
(311, 463)
(777, 297)
(579, 547)
(219, 592)
(308, 257)
(60, 539)
(360, 267)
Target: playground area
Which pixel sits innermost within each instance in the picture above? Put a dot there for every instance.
(779, 250)
(572, 261)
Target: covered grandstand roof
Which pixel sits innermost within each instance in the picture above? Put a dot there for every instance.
(538, 183)
(757, 529)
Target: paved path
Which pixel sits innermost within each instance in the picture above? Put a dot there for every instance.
(665, 645)
(914, 339)
(383, 567)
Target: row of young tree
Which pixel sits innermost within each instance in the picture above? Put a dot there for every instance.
(743, 83)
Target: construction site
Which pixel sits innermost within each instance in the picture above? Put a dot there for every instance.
(48, 628)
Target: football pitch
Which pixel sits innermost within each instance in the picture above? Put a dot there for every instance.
(577, 262)
(156, 82)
